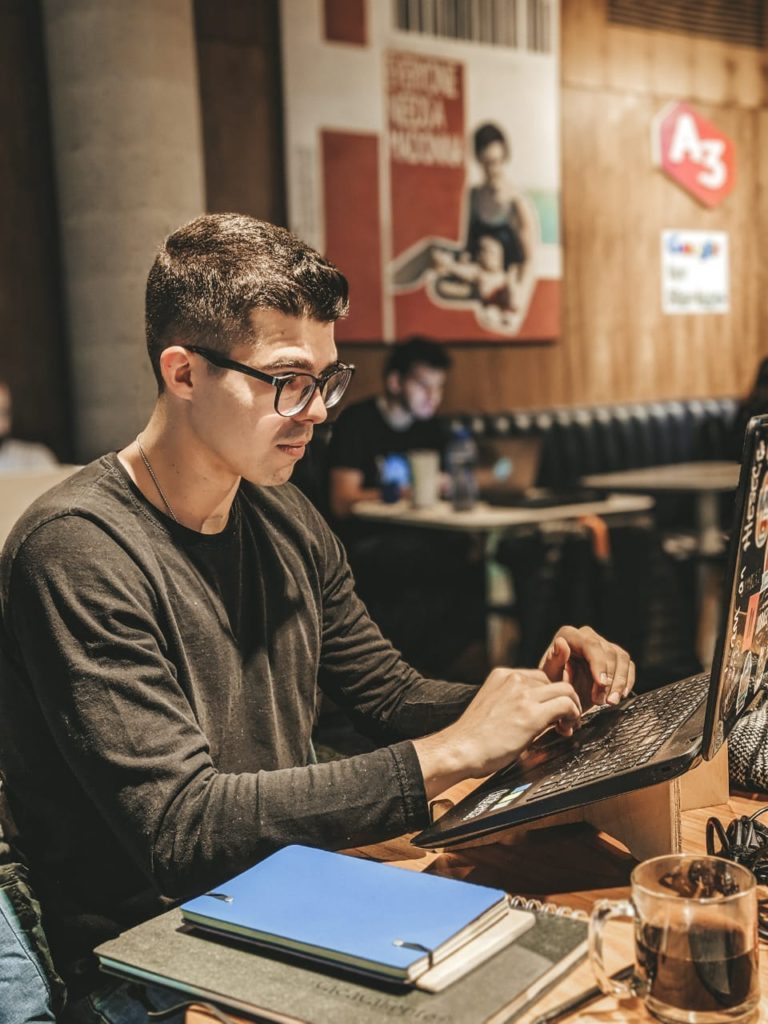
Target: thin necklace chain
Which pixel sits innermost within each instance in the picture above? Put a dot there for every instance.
(156, 482)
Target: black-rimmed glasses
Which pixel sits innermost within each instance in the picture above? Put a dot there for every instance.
(293, 391)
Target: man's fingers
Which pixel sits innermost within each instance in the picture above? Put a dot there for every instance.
(562, 712)
(630, 679)
(619, 666)
(556, 658)
(610, 666)
(621, 679)
(559, 691)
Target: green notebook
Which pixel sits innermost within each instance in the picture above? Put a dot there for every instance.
(237, 978)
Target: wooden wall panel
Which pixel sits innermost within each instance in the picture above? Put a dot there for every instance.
(599, 55)
(241, 101)
(616, 344)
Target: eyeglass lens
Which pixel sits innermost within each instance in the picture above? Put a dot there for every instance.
(297, 391)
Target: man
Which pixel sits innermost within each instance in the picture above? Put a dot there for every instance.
(167, 610)
(400, 420)
(15, 454)
(425, 589)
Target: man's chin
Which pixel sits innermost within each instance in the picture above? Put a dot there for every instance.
(272, 479)
(282, 476)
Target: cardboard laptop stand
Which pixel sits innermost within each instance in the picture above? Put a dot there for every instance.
(647, 821)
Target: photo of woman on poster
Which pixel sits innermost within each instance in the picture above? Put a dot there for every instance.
(500, 241)
(492, 271)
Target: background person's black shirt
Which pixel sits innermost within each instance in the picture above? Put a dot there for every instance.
(423, 587)
(361, 433)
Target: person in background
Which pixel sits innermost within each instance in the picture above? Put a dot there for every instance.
(423, 588)
(15, 454)
(753, 404)
(170, 615)
(399, 420)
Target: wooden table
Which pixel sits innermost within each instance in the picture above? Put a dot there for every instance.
(574, 866)
(570, 865)
(706, 481)
(490, 523)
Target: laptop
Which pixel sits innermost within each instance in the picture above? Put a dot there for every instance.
(507, 471)
(654, 736)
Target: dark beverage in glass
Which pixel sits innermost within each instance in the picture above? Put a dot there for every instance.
(704, 969)
(696, 944)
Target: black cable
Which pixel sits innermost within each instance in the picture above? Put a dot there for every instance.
(744, 841)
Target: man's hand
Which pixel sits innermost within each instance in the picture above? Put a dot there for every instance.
(600, 672)
(510, 709)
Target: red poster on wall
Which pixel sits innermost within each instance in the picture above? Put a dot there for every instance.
(426, 165)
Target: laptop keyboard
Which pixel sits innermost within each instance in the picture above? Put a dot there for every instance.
(639, 731)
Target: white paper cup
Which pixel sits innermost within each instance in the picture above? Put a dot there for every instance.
(425, 478)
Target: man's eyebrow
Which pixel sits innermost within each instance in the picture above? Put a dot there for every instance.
(296, 363)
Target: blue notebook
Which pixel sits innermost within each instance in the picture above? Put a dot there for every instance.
(360, 914)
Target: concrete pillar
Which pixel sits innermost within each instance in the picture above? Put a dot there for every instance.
(129, 165)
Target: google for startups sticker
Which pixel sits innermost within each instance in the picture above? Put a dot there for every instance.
(694, 272)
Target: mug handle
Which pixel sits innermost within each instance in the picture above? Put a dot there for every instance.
(602, 912)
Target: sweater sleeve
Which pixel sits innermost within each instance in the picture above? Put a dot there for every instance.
(87, 638)
(366, 675)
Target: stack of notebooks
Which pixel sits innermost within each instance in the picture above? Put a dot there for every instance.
(347, 941)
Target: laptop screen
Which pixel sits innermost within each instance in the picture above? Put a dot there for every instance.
(741, 653)
(508, 463)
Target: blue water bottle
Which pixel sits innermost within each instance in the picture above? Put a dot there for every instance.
(461, 458)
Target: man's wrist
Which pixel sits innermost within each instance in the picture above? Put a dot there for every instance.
(442, 760)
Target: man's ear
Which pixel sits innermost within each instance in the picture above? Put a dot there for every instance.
(176, 368)
(393, 382)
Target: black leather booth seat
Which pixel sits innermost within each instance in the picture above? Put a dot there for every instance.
(604, 438)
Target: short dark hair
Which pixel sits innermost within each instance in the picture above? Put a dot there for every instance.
(406, 354)
(488, 133)
(209, 274)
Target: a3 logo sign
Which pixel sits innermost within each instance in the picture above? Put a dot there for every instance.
(694, 153)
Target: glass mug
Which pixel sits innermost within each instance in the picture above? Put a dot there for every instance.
(696, 943)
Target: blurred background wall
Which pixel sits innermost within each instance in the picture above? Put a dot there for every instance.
(615, 344)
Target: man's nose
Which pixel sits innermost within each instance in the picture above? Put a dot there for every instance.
(314, 411)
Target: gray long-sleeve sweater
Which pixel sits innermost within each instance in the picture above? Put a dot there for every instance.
(158, 689)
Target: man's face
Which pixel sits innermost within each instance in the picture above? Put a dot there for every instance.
(421, 390)
(234, 415)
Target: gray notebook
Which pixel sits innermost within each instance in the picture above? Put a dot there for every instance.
(235, 978)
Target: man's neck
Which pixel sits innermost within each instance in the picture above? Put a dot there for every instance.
(395, 414)
(180, 480)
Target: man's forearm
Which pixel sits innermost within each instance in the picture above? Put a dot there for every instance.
(442, 763)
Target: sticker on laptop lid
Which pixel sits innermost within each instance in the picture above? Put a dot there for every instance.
(761, 516)
(744, 684)
(512, 796)
(497, 801)
(751, 619)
